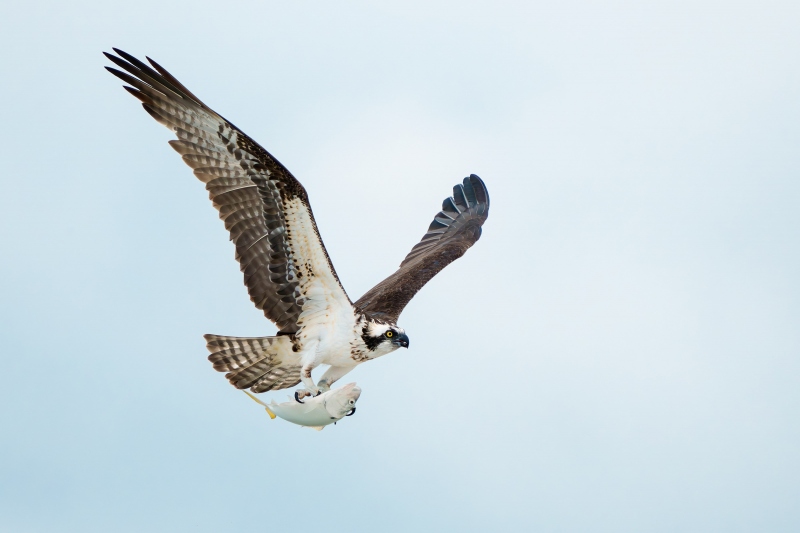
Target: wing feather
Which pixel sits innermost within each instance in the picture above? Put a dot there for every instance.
(453, 231)
(263, 206)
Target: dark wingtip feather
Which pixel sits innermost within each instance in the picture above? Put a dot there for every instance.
(460, 197)
(126, 55)
(469, 192)
(173, 80)
(449, 206)
(138, 94)
(113, 71)
(124, 76)
(479, 187)
(153, 113)
(146, 74)
(119, 62)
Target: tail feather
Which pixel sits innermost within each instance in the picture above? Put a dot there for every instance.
(278, 378)
(234, 353)
(258, 363)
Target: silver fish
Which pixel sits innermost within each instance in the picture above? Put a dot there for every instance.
(319, 411)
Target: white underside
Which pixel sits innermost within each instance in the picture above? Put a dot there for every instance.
(327, 322)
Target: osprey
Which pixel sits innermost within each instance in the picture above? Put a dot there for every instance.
(287, 271)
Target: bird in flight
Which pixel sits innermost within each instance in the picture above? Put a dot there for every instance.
(286, 268)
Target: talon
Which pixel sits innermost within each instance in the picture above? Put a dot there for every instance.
(352, 412)
(318, 393)
(297, 397)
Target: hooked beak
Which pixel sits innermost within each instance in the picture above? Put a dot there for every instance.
(402, 340)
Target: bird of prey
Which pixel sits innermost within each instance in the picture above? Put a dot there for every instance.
(286, 268)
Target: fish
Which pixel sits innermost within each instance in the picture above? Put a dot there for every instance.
(316, 412)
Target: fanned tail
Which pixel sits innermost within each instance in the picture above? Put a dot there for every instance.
(257, 363)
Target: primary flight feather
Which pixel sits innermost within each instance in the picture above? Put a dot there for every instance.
(286, 268)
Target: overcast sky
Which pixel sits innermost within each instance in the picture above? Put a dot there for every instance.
(619, 352)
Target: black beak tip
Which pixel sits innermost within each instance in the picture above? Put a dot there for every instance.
(401, 341)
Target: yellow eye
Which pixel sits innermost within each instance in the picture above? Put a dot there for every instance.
(389, 334)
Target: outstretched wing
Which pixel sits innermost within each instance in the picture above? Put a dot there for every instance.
(286, 268)
(452, 232)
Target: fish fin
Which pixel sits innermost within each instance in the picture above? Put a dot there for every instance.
(266, 408)
(318, 428)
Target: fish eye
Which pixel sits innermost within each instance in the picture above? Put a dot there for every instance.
(352, 402)
(389, 334)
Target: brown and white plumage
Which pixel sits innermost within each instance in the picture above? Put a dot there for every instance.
(286, 268)
(453, 231)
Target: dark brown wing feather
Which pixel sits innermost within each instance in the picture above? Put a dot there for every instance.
(250, 189)
(452, 232)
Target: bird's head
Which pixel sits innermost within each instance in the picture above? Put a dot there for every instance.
(384, 338)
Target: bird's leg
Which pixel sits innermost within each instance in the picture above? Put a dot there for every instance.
(305, 377)
(300, 394)
(309, 361)
(332, 375)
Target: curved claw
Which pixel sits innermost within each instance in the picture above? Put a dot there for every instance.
(352, 412)
(297, 397)
(318, 393)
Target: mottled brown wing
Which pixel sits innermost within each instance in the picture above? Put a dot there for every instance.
(286, 267)
(452, 232)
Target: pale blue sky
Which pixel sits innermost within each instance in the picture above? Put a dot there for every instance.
(619, 353)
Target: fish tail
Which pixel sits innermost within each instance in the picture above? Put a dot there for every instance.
(266, 407)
